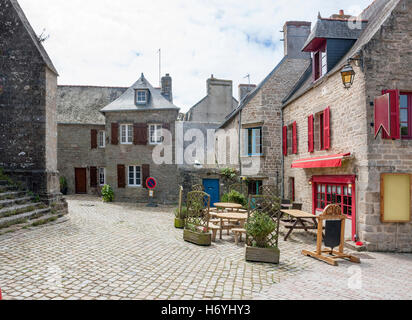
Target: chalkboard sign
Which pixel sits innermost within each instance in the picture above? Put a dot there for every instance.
(333, 233)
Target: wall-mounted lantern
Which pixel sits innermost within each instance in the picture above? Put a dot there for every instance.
(348, 75)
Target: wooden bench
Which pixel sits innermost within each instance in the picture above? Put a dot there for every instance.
(238, 232)
(214, 228)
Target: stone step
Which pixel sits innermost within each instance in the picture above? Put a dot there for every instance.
(8, 188)
(18, 209)
(45, 219)
(15, 201)
(23, 217)
(12, 195)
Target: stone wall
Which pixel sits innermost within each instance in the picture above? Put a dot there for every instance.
(166, 174)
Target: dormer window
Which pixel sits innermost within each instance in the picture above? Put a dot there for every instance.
(141, 97)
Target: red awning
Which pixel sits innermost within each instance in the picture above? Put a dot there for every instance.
(331, 161)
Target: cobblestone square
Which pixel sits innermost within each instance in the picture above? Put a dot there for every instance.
(128, 251)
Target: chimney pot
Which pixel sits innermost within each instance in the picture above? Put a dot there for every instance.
(341, 12)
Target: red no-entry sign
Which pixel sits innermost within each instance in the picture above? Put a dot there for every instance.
(151, 183)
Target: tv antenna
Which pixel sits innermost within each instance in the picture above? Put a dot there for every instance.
(248, 77)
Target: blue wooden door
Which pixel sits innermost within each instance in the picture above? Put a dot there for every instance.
(212, 188)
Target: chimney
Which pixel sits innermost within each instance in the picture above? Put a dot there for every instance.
(341, 15)
(166, 89)
(244, 89)
(296, 34)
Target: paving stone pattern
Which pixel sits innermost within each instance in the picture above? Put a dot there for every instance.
(127, 251)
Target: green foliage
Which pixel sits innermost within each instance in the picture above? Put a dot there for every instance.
(235, 197)
(259, 227)
(229, 173)
(107, 193)
(181, 215)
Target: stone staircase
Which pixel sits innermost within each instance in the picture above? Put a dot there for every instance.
(21, 209)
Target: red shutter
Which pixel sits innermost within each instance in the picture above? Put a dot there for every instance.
(294, 139)
(140, 133)
(311, 145)
(93, 134)
(145, 174)
(115, 133)
(121, 176)
(395, 115)
(285, 140)
(93, 177)
(326, 128)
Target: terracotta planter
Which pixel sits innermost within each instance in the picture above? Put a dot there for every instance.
(199, 238)
(268, 255)
(179, 223)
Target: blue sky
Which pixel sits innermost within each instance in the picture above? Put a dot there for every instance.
(110, 43)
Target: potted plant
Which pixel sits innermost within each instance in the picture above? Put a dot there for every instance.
(180, 216)
(63, 185)
(234, 197)
(107, 193)
(197, 219)
(262, 230)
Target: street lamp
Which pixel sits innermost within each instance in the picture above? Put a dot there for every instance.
(348, 75)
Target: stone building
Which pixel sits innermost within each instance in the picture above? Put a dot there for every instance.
(28, 88)
(110, 136)
(331, 154)
(250, 136)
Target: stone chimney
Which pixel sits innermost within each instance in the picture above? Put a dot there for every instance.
(166, 89)
(244, 89)
(295, 35)
(341, 15)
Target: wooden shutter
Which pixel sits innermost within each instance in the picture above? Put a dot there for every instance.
(395, 115)
(140, 134)
(145, 174)
(115, 133)
(93, 177)
(121, 176)
(311, 145)
(93, 142)
(285, 140)
(326, 128)
(294, 138)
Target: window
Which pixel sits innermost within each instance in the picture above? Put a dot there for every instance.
(254, 186)
(340, 194)
(135, 176)
(102, 139)
(405, 107)
(141, 96)
(102, 176)
(320, 63)
(292, 189)
(322, 130)
(254, 141)
(324, 64)
(155, 133)
(126, 134)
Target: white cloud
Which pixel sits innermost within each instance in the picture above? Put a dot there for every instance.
(104, 42)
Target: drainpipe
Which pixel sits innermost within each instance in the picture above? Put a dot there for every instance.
(239, 143)
(282, 175)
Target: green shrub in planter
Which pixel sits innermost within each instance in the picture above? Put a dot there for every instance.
(180, 217)
(107, 193)
(234, 197)
(259, 227)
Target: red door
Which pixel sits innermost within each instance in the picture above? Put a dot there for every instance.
(81, 180)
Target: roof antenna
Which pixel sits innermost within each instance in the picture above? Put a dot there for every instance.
(160, 67)
(247, 76)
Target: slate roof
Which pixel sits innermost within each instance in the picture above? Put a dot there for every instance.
(376, 14)
(33, 36)
(334, 29)
(82, 104)
(126, 102)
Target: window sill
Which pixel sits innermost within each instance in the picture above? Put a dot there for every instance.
(254, 156)
(134, 187)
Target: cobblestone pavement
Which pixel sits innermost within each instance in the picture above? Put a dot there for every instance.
(127, 251)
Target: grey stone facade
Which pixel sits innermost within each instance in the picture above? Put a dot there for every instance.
(28, 88)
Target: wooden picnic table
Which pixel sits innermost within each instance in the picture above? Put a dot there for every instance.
(227, 205)
(241, 217)
(299, 217)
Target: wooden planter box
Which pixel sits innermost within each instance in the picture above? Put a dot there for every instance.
(201, 239)
(269, 255)
(179, 223)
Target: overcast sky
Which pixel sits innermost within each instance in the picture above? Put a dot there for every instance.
(110, 43)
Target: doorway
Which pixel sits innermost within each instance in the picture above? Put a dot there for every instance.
(212, 188)
(81, 180)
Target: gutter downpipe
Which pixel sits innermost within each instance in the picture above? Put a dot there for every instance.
(239, 143)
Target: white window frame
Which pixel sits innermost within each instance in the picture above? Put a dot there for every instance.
(158, 137)
(101, 140)
(139, 101)
(128, 137)
(134, 185)
(104, 176)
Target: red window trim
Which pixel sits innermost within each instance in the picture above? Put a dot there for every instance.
(322, 130)
(311, 145)
(294, 138)
(285, 141)
(326, 134)
(338, 179)
(409, 95)
(394, 115)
